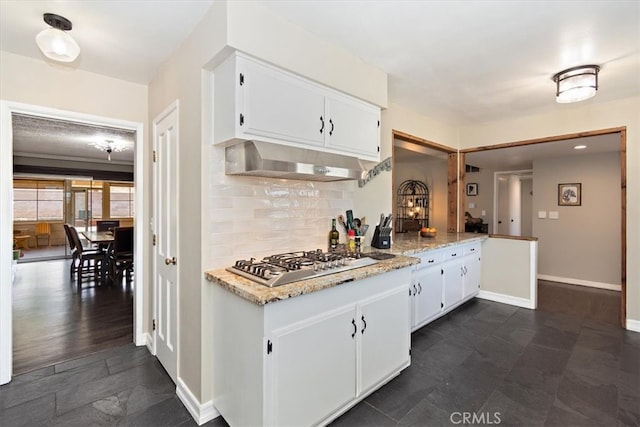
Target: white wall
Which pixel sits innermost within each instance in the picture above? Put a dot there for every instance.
(224, 218)
(575, 118)
(584, 243)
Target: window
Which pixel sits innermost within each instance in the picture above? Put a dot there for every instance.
(122, 200)
(38, 200)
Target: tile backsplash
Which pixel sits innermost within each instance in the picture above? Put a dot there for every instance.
(254, 217)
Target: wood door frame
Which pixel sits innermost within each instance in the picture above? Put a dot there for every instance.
(623, 189)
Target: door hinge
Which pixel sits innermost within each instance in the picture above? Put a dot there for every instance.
(269, 346)
(153, 324)
(241, 119)
(241, 79)
(154, 240)
(154, 156)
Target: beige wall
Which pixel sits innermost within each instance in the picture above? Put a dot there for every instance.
(584, 243)
(36, 82)
(508, 270)
(376, 197)
(432, 172)
(569, 119)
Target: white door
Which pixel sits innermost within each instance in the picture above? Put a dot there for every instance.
(165, 138)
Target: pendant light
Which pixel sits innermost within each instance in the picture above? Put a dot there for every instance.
(576, 84)
(55, 43)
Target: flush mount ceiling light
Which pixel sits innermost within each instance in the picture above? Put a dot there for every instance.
(110, 146)
(54, 42)
(576, 84)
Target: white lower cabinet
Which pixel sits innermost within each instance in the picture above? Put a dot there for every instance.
(305, 360)
(426, 289)
(472, 270)
(314, 368)
(444, 279)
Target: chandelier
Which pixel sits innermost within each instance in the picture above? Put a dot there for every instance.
(110, 146)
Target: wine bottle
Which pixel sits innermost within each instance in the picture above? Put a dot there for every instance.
(334, 236)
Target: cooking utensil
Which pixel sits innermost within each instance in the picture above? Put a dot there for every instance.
(357, 223)
(341, 221)
(350, 219)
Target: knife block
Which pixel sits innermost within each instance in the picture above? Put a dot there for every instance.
(381, 238)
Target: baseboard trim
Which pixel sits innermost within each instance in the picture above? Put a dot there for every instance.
(506, 299)
(148, 341)
(201, 413)
(580, 282)
(633, 325)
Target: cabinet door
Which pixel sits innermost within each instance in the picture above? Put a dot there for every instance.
(453, 282)
(353, 127)
(318, 355)
(280, 105)
(472, 265)
(427, 289)
(384, 336)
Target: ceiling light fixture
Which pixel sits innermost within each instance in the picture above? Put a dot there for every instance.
(109, 147)
(576, 84)
(54, 42)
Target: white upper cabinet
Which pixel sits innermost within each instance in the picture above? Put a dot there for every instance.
(254, 100)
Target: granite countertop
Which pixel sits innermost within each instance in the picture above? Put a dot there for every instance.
(412, 244)
(404, 245)
(259, 294)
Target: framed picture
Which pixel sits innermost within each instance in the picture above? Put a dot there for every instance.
(570, 194)
(472, 189)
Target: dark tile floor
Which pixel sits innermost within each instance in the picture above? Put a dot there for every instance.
(489, 362)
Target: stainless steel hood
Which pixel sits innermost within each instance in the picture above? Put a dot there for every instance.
(258, 158)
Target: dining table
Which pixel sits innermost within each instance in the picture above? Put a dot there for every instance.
(98, 237)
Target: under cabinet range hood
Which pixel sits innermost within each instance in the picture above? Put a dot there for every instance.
(265, 159)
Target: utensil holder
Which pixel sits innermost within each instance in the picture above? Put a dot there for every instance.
(381, 238)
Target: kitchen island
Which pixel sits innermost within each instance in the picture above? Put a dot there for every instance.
(305, 352)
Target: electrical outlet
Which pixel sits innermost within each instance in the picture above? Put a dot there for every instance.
(554, 215)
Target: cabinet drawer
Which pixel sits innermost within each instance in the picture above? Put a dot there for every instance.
(453, 252)
(473, 248)
(429, 259)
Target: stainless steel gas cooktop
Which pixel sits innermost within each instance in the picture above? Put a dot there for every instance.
(280, 269)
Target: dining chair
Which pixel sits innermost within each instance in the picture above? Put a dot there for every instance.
(90, 263)
(121, 254)
(43, 229)
(72, 248)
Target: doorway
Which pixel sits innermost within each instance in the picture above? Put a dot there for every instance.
(512, 203)
(7, 109)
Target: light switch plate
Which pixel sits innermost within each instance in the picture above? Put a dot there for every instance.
(542, 214)
(472, 205)
(553, 215)
(484, 213)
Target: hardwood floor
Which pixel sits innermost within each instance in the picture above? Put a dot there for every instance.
(54, 322)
